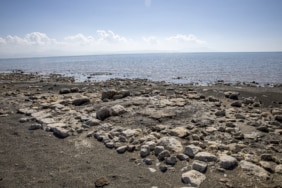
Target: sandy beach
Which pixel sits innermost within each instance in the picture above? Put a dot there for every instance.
(55, 132)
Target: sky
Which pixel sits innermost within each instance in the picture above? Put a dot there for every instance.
(31, 28)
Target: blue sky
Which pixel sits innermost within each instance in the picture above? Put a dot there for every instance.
(77, 27)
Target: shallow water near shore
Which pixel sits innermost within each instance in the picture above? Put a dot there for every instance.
(201, 68)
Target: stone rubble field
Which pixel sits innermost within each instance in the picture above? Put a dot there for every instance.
(168, 127)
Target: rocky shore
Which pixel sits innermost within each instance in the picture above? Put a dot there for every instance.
(196, 136)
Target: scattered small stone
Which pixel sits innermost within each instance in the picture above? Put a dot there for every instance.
(220, 113)
(102, 181)
(163, 168)
(163, 155)
(148, 161)
(236, 104)
(278, 169)
(144, 151)
(80, 101)
(182, 157)
(171, 144)
(122, 149)
(64, 91)
(171, 160)
(35, 127)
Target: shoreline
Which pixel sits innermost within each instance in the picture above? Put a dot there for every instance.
(137, 133)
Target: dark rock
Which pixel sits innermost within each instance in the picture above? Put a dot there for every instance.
(263, 128)
(103, 113)
(35, 127)
(80, 101)
(232, 95)
(278, 118)
(236, 104)
(163, 168)
(64, 91)
(108, 94)
(220, 113)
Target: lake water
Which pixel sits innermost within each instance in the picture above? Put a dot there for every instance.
(200, 68)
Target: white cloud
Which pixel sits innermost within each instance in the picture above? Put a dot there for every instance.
(186, 38)
(151, 40)
(2, 41)
(81, 39)
(110, 36)
(103, 41)
(148, 3)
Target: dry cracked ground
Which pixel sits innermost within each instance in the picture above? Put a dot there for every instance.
(138, 133)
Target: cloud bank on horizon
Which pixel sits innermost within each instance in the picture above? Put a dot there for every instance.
(104, 41)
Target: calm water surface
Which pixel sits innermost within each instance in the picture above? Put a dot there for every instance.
(170, 67)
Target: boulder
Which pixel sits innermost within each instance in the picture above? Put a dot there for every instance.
(171, 144)
(80, 101)
(117, 110)
(60, 132)
(254, 169)
(199, 166)
(227, 162)
(205, 156)
(236, 104)
(64, 91)
(232, 95)
(192, 150)
(193, 177)
(144, 151)
(108, 94)
(103, 113)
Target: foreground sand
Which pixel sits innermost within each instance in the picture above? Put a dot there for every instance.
(137, 133)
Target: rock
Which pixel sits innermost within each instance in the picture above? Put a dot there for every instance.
(227, 162)
(131, 148)
(108, 94)
(80, 101)
(23, 120)
(182, 157)
(103, 113)
(254, 169)
(117, 110)
(74, 90)
(267, 166)
(171, 160)
(163, 155)
(192, 150)
(199, 166)
(102, 181)
(263, 128)
(148, 161)
(35, 127)
(278, 118)
(180, 132)
(93, 122)
(64, 91)
(220, 113)
(278, 169)
(158, 150)
(122, 149)
(163, 168)
(232, 95)
(205, 156)
(266, 157)
(144, 151)
(121, 94)
(193, 177)
(171, 144)
(236, 104)
(60, 132)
